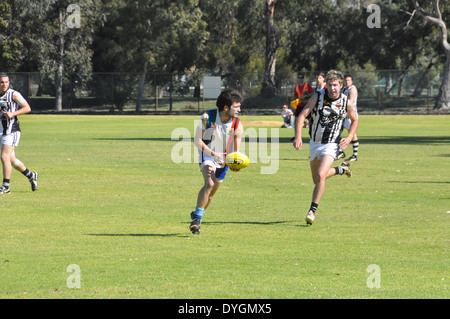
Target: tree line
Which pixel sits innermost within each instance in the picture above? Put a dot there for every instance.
(227, 38)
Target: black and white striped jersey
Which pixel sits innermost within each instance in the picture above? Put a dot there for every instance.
(7, 104)
(346, 91)
(327, 118)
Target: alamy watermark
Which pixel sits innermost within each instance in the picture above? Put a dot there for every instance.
(374, 279)
(74, 16)
(374, 20)
(257, 145)
(74, 279)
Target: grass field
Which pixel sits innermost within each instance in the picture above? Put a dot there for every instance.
(112, 202)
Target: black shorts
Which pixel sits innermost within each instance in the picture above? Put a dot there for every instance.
(298, 110)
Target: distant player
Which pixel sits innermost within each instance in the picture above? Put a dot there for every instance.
(302, 91)
(219, 133)
(321, 84)
(352, 92)
(12, 105)
(328, 109)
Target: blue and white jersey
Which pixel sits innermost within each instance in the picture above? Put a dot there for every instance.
(327, 118)
(217, 136)
(7, 104)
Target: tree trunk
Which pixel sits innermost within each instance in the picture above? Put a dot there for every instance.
(423, 79)
(272, 39)
(141, 89)
(60, 63)
(400, 87)
(319, 53)
(443, 98)
(170, 92)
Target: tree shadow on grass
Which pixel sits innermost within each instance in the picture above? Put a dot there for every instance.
(411, 140)
(420, 182)
(408, 140)
(139, 235)
(156, 139)
(246, 223)
(188, 235)
(256, 223)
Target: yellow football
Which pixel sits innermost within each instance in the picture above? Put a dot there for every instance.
(294, 104)
(237, 160)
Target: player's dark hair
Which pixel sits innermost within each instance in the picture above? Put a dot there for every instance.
(320, 74)
(228, 97)
(4, 75)
(348, 75)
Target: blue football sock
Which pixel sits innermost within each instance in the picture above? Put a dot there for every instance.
(199, 212)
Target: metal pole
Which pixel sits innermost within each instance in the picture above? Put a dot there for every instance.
(156, 92)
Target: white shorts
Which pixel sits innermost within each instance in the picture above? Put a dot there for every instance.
(318, 150)
(220, 170)
(11, 139)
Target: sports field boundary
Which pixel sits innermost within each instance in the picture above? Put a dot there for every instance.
(275, 111)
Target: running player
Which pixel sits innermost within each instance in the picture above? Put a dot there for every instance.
(352, 92)
(12, 105)
(328, 109)
(219, 133)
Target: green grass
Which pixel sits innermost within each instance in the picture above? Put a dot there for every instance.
(111, 201)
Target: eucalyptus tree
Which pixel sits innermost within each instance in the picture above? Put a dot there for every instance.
(142, 36)
(60, 37)
(11, 44)
(437, 18)
(235, 45)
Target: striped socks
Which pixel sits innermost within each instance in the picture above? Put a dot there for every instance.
(355, 145)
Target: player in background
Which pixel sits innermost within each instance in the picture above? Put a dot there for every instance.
(219, 133)
(328, 109)
(12, 105)
(352, 92)
(288, 117)
(302, 91)
(321, 84)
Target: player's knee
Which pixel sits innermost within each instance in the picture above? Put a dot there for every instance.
(5, 157)
(16, 163)
(320, 177)
(209, 184)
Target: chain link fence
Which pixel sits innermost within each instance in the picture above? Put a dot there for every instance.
(380, 91)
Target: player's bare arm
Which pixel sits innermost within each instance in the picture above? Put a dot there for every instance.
(198, 142)
(237, 142)
(298, 126)
(238, 136)
(352, 94)
(24, 107)
(354, 126)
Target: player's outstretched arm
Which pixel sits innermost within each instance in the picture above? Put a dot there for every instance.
(298, 126)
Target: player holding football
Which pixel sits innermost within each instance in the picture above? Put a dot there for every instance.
(12, 105)
(219, 133)
(328, 109)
